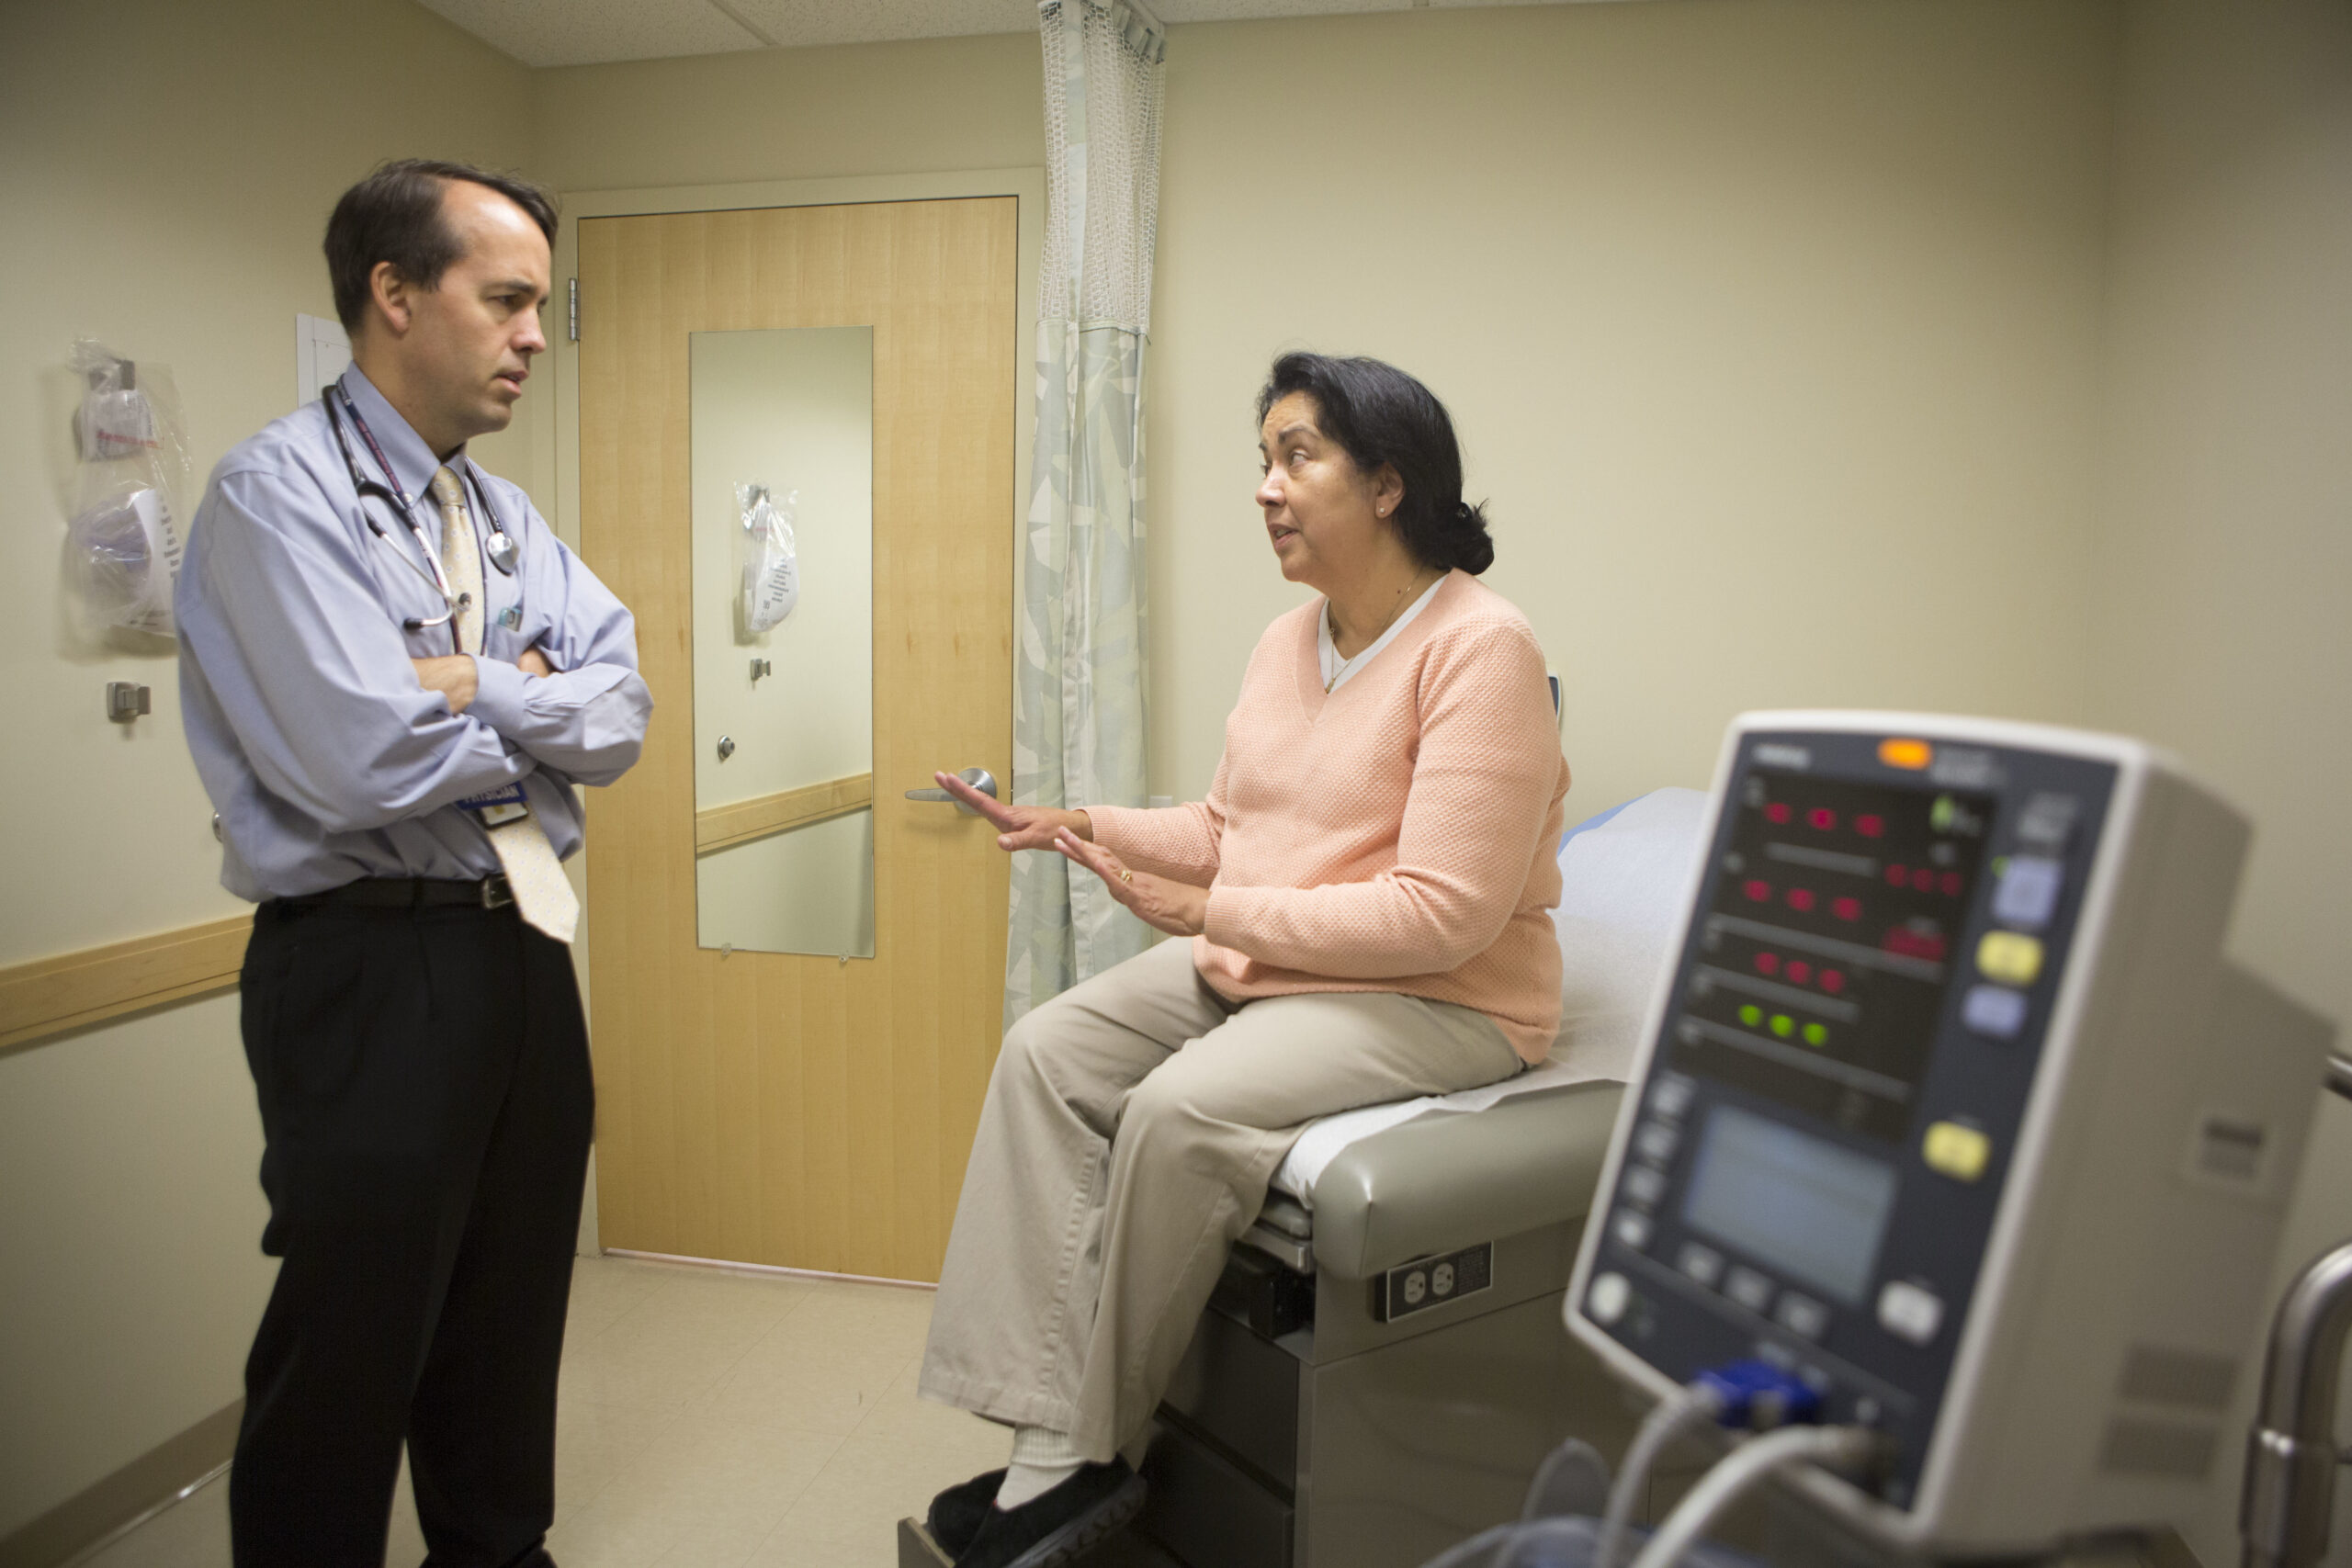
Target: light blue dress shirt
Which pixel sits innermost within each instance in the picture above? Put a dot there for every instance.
(326, 758)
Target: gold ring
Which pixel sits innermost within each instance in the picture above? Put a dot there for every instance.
(1126, 875)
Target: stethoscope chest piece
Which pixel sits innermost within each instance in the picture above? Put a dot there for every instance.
(501, 551)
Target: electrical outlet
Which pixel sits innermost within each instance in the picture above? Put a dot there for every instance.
(1433, 1281)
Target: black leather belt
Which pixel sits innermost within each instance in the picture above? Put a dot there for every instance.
(412, 893)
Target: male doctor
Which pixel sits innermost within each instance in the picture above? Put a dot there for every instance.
(394, 674)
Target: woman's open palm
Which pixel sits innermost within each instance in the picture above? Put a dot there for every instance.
(1017, 827)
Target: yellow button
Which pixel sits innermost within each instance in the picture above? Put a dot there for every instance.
(1959, 1152)
(1911, 754)
(2010, 957)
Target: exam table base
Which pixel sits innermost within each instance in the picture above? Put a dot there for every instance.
(1362, 1444)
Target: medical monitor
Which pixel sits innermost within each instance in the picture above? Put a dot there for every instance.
(1949, 1108)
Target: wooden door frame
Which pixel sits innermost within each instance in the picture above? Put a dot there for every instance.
(555, 442)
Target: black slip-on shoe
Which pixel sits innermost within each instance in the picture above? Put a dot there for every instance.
(956, 1514)
(1058, 1526)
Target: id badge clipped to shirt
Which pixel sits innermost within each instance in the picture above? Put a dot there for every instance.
(496, 807)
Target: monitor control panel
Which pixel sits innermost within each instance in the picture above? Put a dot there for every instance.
(1844, 1063)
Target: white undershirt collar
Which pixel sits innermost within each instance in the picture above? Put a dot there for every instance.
(1339, 672)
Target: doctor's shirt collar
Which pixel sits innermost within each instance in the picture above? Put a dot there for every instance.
(412, 460)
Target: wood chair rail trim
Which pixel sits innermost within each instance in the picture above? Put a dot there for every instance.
(49, 996)
(741, 821)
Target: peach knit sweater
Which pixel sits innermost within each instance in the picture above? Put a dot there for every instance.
(1397, 835)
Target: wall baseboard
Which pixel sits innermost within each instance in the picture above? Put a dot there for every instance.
(96, 1512)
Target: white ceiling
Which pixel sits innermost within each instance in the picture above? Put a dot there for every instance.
(587, 32)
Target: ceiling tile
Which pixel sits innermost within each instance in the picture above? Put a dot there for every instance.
(582, 32)
(585, 32)
(798, 23)
(1175, 11)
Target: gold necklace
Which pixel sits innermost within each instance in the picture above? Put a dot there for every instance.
(1395, 610)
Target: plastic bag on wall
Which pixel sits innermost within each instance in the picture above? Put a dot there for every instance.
(768, 554)
(124, 540)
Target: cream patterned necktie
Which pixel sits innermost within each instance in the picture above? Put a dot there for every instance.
(543, 895)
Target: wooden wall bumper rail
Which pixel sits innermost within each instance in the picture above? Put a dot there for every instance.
(49, 996)
(740, 822)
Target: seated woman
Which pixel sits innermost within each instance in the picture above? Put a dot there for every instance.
(1368, 890)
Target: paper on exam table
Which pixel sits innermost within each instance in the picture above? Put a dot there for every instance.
(1624, 885)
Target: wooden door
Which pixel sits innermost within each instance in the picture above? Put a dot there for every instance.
(773, 1108)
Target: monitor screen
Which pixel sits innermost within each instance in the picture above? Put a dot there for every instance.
(1816, 1210)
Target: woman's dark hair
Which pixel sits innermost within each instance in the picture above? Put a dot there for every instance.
(395, 215)
(1378, 414)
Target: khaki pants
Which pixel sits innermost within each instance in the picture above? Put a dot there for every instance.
(1130, 1130)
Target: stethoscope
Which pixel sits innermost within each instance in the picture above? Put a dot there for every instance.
(501, 547)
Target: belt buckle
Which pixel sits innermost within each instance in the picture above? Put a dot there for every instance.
(497, 893)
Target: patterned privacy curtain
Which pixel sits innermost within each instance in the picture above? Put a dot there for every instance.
(1078, 716)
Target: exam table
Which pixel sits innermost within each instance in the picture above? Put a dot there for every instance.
(1382, 1368)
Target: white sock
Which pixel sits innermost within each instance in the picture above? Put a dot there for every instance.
(1042, 1460)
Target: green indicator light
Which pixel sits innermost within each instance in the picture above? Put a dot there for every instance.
(1783, 1026)
(2000, 866)
(1751, 1015)
(1815, 1034)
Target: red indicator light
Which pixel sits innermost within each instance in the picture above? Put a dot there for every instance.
(1799, 972)
(1768, 964)
(1777, 812)
(1822, 818)
(1833, 981)
(1757, 891)
(1898, 876)
(1952, 883)
(1924, 880)
(1847, 908)
(1800, 898)
(1907, 942)
(1871, 825)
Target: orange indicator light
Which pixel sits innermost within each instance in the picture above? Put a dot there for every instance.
(1911, 754)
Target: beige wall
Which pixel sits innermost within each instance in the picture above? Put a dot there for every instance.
(2223, 546)
(1769, 331)
(892, 108)
(167, 169)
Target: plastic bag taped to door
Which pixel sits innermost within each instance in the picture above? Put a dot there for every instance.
(769, 556)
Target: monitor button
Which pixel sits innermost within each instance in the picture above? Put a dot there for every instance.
(1643, 1185)
(1670, 1097)
(2011, 957)
(1801, 1315)
(1608, 1299)
(1995, 1010)
(1657, 1141)
(1703, 1264)
(1909, 1312)
(1957, 1151)
(2028, 894)
(1633, 1228)
(1749, 1289)
(2049, 822)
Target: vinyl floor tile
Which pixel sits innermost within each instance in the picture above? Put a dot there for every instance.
(709, 1419)
(192, 1533)
(849, 1516)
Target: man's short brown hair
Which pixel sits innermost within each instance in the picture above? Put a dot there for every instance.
(395, 215)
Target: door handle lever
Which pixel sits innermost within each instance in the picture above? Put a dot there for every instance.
(978, 778)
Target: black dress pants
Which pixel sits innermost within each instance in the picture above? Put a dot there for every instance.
(427, 1108)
